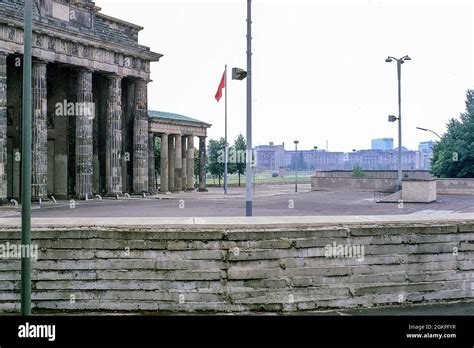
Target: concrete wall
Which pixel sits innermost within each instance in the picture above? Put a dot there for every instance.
(353, 184)
(376, 174)
(242, 270)
(455, 186)
(386, 181)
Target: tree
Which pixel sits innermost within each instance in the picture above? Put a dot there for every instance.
(297, 162)
(216, 150)
(357, 172)
(453, 156)
(240, 148)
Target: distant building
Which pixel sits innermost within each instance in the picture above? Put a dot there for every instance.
(271, 157)
(426, 146)
(426, 149)
(274, 158)
(385, 144)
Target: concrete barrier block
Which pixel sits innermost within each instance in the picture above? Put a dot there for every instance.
(239, 235)
(159, 275)
(412, 229)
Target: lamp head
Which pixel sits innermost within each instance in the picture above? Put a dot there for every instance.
(238, 74)
(389, 60)
(392, 118)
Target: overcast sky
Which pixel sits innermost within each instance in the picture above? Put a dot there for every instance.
(319, 66)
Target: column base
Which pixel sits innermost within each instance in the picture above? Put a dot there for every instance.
(36, 200)
(83, 197)
(113, 195)
(4, 201)
(140, 194)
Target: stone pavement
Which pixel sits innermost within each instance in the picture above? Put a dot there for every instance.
(273, 204)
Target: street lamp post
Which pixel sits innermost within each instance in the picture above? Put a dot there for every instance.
(249, 202)
(429, 130)
(314, 158)
(26, 163)
(239, 74)
(296, 165)
(399, 61)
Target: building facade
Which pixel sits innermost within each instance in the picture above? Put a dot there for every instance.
(274, 158)
(177, 135)
(426, 149)
(91, 129)
(385, 144)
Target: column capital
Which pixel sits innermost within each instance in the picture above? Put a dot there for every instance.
(39, 62)
(114, 77)
(145, 81)
(84, 69)
(139, 80)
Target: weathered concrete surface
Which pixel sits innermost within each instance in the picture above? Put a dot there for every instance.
(419, 191)
(353, 184)
(455, 186)
(386, 181)
(243, 268)
(188, 222)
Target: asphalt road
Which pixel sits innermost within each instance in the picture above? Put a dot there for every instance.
(270, 200)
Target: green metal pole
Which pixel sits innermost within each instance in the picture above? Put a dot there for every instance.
(26, 165)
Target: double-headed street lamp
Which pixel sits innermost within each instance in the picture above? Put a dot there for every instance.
(399, 61)
(296, 165)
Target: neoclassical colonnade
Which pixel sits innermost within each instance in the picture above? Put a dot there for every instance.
(177, 135)
(87, 58)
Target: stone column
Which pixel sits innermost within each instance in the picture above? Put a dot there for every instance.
(164, 164)
(84, 135)
(184, 170)
(171, 158)
(178, 164)
(151, 164)
(140, 138)
(202, 164)
(190, 164)
(114, 137)
(39, 186)
(3, 127)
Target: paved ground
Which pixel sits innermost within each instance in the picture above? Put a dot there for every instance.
(270, 200)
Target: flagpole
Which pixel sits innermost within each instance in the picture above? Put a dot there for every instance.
(226, 169)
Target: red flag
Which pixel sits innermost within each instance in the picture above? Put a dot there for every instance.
(221, 87)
